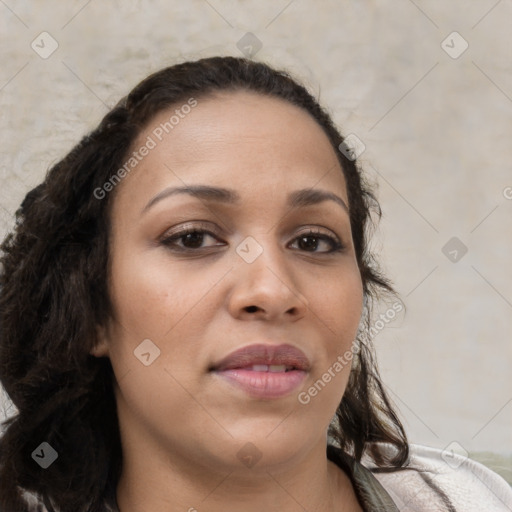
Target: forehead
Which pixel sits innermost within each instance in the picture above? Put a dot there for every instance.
(239, 139)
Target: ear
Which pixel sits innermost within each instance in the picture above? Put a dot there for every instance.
(100, 349)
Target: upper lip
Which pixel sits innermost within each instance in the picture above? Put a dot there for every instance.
(287, 355)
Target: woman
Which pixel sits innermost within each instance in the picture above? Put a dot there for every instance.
(186, 307)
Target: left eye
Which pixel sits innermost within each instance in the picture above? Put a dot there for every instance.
(193, 238)
(316, 237)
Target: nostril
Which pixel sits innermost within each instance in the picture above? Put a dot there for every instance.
(251, 309)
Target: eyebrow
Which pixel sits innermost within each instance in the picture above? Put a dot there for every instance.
(297, 199)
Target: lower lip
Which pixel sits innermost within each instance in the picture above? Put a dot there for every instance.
(265, 384)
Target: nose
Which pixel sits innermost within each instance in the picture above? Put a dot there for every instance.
(267, 289)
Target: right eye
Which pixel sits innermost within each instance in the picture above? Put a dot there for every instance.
(191, 238)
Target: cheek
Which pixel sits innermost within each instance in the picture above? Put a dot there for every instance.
(151, 295)
(162, 301)
(138, 290)
(339, 306)
(338, 312)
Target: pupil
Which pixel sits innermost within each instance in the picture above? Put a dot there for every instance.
(309, 245)
(195, 237)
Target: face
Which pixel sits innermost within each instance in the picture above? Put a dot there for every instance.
(263, 269)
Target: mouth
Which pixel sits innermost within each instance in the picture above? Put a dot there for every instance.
(264, 371)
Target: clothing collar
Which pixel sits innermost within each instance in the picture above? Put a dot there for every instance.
(370, 493)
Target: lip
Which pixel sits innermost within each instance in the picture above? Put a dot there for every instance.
(237, 368)
(287, 355)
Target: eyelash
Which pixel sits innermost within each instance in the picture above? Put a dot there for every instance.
(336, 245)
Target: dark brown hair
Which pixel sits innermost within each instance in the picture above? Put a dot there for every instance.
(54, 294)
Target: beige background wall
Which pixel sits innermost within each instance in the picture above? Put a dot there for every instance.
(437, 131)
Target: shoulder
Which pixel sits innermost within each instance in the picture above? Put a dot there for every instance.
(437, 481)
(35, 503)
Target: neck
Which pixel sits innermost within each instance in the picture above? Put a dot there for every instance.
(153, 480)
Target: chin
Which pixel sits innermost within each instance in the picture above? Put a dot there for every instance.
(268, 444)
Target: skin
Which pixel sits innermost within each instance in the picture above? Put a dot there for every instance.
(182, 427)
